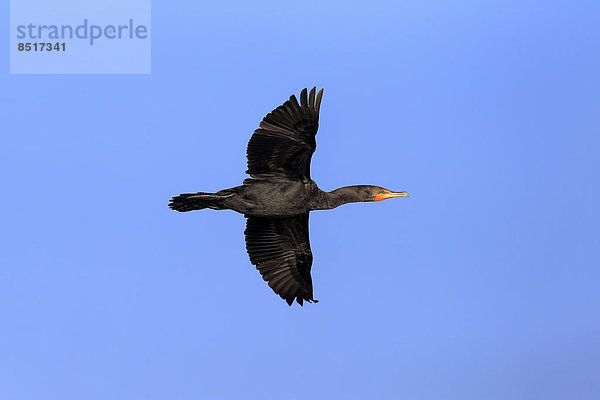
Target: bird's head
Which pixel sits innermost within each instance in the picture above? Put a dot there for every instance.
(379, 193)
(374, 193)
(360, 193)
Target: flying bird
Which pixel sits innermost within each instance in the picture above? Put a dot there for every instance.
(278, 197)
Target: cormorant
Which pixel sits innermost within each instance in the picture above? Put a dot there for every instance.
(278, 198)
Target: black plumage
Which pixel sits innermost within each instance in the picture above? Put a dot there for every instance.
(285, 141)
(280, 249)
(278, 198)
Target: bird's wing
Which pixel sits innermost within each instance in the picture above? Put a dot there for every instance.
(280, 249)
(285, 141)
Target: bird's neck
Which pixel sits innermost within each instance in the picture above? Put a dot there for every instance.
(337, 197)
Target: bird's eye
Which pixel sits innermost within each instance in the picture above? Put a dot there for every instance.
(383, 191)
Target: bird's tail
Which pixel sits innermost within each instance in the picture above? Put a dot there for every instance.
(199, 201)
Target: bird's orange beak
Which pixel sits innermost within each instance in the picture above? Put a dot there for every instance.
(387, 194)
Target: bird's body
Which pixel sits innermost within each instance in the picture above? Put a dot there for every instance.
(279, 196)
(273, 198)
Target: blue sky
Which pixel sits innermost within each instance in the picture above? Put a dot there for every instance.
(483, 284)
